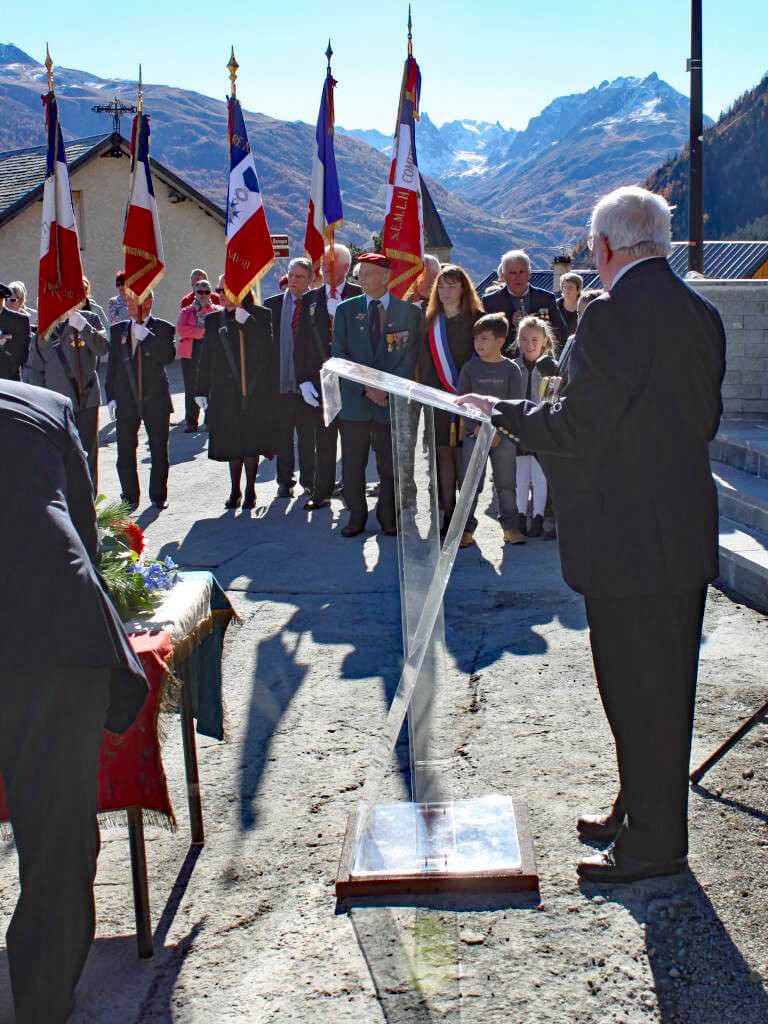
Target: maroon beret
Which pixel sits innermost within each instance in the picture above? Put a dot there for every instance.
(376, 258)
(283, 281)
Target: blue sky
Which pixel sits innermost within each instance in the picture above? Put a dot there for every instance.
(488, 62)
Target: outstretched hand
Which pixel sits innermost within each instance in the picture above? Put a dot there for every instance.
(483, 403)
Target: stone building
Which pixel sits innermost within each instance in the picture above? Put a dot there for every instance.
(192, 225)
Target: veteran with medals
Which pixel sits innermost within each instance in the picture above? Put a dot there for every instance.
(313, 347)
(237, 384)
(138, 391)
(379, 330)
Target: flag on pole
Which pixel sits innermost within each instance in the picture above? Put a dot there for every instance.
(60, 287)
(249, 245)
(325, 211)
(403, 236)
(142, 241)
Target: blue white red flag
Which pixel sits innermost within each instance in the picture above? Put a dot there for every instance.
(441, 354)
(403, 236)
(142, 241)
(60, 281)
(325, 211)
(249, 244)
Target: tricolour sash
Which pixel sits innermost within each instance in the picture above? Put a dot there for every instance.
(441, 354)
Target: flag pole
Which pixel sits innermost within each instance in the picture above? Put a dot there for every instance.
(49, 69)
(331, 229)
(134, 144)
(233, 68)
(410, 33)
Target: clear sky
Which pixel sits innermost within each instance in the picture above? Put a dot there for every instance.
(488, 61)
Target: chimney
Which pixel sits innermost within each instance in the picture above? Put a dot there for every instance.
(561, 264)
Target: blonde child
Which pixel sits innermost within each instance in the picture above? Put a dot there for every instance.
(536, 343)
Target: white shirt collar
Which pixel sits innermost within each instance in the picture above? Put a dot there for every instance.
(634, 263)
(384, 300)
(518, 297)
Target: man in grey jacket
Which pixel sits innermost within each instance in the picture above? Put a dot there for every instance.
(67, 362)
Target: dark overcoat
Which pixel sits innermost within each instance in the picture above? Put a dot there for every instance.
(157, 351)
(15, 333)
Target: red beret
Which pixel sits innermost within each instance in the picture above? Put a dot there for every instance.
(283, 280)
(377, 259)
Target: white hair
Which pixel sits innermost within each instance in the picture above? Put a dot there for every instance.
(512, 256)
(431, 261)
(635, 221)
(20, 291)
(340, 252)
(301, 261)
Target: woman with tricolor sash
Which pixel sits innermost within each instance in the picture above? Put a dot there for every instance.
(452, 309)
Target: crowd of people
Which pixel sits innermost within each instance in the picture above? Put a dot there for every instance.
(252, 378)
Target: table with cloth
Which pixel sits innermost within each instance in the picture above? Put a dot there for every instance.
(180, 646)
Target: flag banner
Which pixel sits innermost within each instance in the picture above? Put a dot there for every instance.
(249, 245)
(142, 241)
(325, 211)
(60, 282)
(403, 236)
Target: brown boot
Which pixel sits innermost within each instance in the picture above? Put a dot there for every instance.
(467, 539)
(513, 537)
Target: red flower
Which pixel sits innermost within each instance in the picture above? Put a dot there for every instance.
(135, 538)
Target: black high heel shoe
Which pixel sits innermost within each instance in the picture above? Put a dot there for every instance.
(250, 499)
(233, 501)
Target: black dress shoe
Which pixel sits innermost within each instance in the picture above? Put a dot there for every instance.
(233, 501)
(250, 499)
(352, 529)
(284, 491)
(609, 869)
(160, 504)
(190, 429)
(313, 504)
(389, 531)
(600, 828)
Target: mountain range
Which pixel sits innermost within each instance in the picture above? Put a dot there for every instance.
(494, 187)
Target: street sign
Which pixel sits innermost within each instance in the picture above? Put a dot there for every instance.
(280, 245)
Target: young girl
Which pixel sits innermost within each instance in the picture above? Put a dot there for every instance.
(535, 341)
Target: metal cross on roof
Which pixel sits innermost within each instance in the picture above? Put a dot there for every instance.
(116, 109)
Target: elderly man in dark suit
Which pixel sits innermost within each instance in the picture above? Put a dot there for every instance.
(68, 671)
(138, 390)
(379, 330)
(518, 298)
(313, 347)
(293, 414)
(15, 333)
(626, 451)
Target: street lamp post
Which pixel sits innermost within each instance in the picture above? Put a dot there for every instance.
(696, 148)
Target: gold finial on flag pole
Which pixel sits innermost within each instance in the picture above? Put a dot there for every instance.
(233, 66)
(141, 92)
(410, 33)
(49, 67)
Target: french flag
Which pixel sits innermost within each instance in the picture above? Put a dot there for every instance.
(60, 288)
(325, 211)
(142, 241)
(403, 236)
(249, 244)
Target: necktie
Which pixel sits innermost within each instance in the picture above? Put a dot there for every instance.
(295, 316)
(374, 323)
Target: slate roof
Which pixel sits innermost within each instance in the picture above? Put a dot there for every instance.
(22, 173)
(722, 261)
(435, 235)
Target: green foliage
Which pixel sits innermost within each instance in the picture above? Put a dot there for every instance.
(357, 252)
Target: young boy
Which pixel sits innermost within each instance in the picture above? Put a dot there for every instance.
(490, 373)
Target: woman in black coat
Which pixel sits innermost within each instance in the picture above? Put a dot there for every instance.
(238, 394)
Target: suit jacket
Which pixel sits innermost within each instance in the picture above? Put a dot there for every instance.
(54, 612)
(403, 322)
(14, 343)
(157, 351)
(502, 301)
(315, 333)
(58, 365)
(626, 449)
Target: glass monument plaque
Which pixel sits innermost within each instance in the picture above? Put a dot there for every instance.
(433, 842)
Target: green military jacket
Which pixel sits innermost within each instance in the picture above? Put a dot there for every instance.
(402, 338)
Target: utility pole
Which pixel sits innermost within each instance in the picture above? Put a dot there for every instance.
(696, 148)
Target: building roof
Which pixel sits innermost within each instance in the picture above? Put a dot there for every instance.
(723, 261)
(435, 235)
(22, 174)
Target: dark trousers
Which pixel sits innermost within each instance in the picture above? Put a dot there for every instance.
(189, 373)
(324, 443)
(295, 416)
(50, 733)
(157, 427)
(646, 655)
(87, 423)
(357, 439)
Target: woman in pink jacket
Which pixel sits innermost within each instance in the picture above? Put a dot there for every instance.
(190, 328)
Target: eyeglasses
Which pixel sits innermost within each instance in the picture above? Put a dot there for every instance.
(202, 291)
(219, 291)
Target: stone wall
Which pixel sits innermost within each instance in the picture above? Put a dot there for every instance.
(743, 306)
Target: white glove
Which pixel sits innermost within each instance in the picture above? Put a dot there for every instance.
(202, 402)
(309, 394)
(241, 315)
(77, 320)
(112, 406)
(140, 332)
